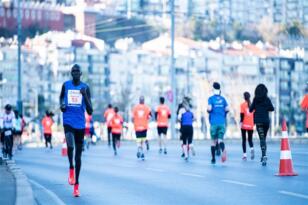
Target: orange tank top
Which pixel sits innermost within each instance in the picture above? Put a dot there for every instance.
(247, 123)
(141, 115)
(108, 115)
(163, 113)
(47, 124)
(116, 124)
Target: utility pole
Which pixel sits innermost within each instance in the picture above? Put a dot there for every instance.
(19, 99)
(173, 80)
(128, 9)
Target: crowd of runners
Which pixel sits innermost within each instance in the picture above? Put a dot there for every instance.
(76, 107)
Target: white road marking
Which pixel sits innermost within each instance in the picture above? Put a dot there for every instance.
(293, 194)
(304, 153)
(38, 192)
(192, 175)
(154, 169)
(126, 166)
(238, 183)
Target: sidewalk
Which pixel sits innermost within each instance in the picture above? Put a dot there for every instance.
(7, 186)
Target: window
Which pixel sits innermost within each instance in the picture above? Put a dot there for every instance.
(8, 13)
(15, 13)
(33, 16)
(39, 15)
(46, 15)
(27, 14)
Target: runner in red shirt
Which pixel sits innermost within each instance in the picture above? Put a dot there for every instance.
(116, 129)
(47, 123)
(141, 116)
(304, 106)
(108, 115)
(162, 116)
(247, 125)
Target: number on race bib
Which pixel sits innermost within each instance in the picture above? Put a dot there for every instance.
(140, 113)
(74, 97)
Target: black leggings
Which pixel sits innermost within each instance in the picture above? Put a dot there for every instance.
(74, 137)
(262, 129)
(7, 143)
(115, 138)
(250, 133)
(187, 134)
(109, 134)
(47, 139)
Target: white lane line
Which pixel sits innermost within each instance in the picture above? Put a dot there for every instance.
(40, 190)
(192, 175)
(126, 166)
(293, 194)
(304, 153)
(154, 169)
(238, 183)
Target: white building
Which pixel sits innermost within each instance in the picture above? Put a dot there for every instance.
(8, 69)
(46, 65)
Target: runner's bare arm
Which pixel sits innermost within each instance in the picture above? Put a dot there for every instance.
(87, 96)
(61, 99)
(209, 108)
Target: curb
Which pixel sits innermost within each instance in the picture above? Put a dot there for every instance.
(24, 193)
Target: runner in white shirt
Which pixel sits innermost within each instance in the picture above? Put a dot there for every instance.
(8, 121)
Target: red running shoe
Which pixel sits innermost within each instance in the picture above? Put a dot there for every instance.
(224, 156)
(76, 192)
(71, 177)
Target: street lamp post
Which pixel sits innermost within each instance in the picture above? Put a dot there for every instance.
(173, 80)
(19, 99)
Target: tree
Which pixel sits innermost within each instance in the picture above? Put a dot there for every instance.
(249, 33)
(294, 30)
(268, 30)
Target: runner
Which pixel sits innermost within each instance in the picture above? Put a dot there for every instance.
(262, 105)
(247, 126)
(186, 117)
(162, 116)
(87, 131)
(18, 130)
(92, 132)
(47, 123)
(179, 110)
(117, 126)
(109, 113)
(141, 116)
(7, 132)
(217, 109)
(75, 99)
(304, 106)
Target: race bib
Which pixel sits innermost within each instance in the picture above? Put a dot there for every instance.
(164, 113)
(8, 133)
(140, 113)
(117, 121)
(74, 97)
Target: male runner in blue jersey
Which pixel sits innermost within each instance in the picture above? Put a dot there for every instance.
(75, 99)
(217, 109)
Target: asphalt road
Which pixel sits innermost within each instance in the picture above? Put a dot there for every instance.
(167, 179)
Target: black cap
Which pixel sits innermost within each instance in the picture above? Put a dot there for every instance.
(216, 86)
(8, 107)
